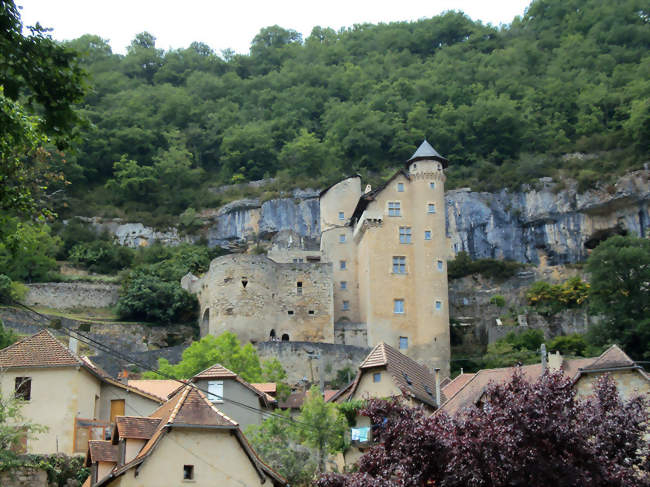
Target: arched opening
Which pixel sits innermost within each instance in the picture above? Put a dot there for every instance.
(272, 334)
(244, 281)
(285, 337)
(204, 327)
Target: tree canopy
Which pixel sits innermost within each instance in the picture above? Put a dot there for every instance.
(533, 434)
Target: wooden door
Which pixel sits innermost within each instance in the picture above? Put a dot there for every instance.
(117, 408)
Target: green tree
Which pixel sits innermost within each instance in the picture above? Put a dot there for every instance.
(27, 251)
(7, 336)
(321, 426)
(131, 180)
(620, 291)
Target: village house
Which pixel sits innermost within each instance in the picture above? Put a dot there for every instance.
(68, 394)
(631, 380)
(187, 439)
(385, 373)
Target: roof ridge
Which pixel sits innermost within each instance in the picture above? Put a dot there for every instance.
(178, 405)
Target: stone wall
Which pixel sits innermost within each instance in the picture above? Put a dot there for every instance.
(24, 477)
(294, 357)
(257, 298)
(65, 295)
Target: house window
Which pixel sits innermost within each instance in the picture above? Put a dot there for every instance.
(399, 265)
(432, 185)
(215, 390)
(341, 215)
(376, 377)
(299, 288)
(188, 472)
(343, 265)
(427, 235)
(394, 208)
(344, 284)
(398, 306)
(346, 305)
(400, 187)
(438, 305)
(403, 343)
(405, 235)
(23, 388)
(441, 265)
(431, 208)
(342, 238)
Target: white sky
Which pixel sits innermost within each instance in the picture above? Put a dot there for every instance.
(233, 23)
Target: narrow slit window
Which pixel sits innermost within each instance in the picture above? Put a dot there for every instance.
(244, 282)
(299, 288)
(346, 305)
(343, 265)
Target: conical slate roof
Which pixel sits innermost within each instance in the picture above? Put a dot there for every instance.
(425, 151)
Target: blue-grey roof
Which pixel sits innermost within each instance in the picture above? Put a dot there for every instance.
(425, 151)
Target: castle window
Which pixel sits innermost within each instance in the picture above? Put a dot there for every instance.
(399, 265)
(400, 187)
(432, 185)
(431, 208)
(299, 288)
(438, 305)
(403, 343)
(343, 265)
(394, 208)
(376, 377)
(311, 311)
(297, 261)
(290, 312)
(244, 281)
(342, 238)
(405, 235)
(188, 472)
(344, 284)
(285, 337)
(398, 306)
(441, 265)
(341, 215)
(427, 235)
(272, 334)
(346, 305)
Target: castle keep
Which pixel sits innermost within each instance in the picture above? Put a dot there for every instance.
(382, 273)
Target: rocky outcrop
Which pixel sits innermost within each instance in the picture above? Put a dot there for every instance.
(547, 224)
(136, 234)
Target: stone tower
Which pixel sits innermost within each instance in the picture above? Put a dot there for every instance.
(389, 248)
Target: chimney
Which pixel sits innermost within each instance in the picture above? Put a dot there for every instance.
(543, 352)
(437, 372)
(555, 361)
(73, 343)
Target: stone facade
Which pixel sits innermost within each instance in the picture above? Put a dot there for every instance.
(259, 299)
(24, 477)
(68, 295)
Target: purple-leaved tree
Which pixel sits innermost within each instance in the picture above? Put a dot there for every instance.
(524, 434)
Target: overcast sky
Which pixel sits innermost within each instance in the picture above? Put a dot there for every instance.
(234, 23)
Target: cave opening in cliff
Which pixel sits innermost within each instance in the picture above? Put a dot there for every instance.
(600, 236)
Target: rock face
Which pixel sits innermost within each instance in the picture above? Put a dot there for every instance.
(137, 234)
(548, 224)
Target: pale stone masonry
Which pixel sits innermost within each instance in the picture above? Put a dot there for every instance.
(380, 275)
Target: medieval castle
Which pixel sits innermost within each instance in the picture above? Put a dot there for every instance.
(380, 273)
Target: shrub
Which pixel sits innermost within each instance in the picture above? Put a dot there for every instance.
(549, 299)
(572, 345)
(463, 265)
(498, 300)
(101, 257)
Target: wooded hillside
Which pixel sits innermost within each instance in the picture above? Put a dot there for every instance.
(502, 104)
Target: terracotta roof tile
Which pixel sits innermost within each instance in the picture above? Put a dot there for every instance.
(294, 401)
(266, 387)
(329, 394)
(215, 372)
(136, 427)
(102, 451)
(38, 350)
(455, 385)
(162, 388)
(613, 357)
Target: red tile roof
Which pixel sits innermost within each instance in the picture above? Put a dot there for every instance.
(38, 350)
(266, 387)
(455, 385)
(161, 388)
(136, 427)
(102, 451)
(611, 358)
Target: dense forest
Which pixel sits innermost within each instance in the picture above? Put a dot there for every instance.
(503, 104)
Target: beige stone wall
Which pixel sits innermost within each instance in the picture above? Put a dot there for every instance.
(251, 295)
(58, 395)
(368, 388)
(292, 255)
(342, 197)
(24, 477)
(630, 383)
(216, 455)
(345, 282)
(423, 284)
